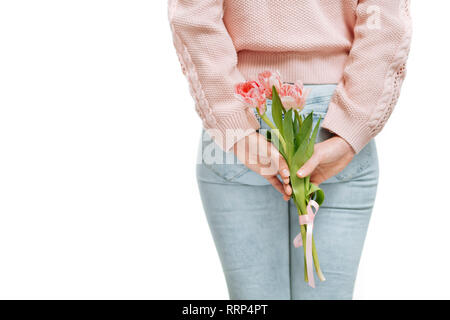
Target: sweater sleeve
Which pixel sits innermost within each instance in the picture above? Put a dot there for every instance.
(209, 61)
(374, 72)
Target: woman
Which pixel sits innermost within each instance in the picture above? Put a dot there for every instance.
(352, 55)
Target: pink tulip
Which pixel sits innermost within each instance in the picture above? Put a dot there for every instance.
(293, 96)
(252, 95)
(268, 79)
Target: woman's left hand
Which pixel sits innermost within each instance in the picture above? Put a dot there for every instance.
(330, 157)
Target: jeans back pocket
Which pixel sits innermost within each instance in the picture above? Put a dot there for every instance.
(364, 162)
(224, 165)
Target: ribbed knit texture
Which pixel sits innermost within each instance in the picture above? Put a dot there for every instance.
(361, 45)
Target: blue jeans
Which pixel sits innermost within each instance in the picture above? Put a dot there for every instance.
(253, 227)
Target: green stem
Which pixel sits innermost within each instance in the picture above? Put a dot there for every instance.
(280, 137)
(275, 130)
(314, 254)
(305, 269)
(316, 261)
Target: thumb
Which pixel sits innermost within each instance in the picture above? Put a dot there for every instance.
(308, 168)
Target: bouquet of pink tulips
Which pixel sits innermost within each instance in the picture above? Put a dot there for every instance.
(294, 136)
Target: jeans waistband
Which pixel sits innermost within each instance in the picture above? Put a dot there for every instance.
(318, 99)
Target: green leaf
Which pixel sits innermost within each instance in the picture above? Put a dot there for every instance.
(317, 192)
(312, 141)
(306, 128)
(298, 117)
(300, 156)
(296, 131)
(268, 135)
(298, 190)
(288, 133)
(277, 109)
(300, 186)
(277, 143)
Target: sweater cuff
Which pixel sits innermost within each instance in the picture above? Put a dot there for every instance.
(356, 132)
(232, 127)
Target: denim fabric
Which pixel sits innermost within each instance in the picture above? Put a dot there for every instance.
(253, 227)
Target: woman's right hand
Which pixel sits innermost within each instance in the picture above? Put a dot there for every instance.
(261, 156)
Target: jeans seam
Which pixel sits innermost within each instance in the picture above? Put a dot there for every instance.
(237, 175)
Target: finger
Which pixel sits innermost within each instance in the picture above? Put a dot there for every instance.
(286, 181)
(276, 184)
(318, 177)
(309, 167)
(288, 189)
(283, 169)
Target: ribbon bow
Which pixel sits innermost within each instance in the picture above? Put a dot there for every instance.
(308, 220)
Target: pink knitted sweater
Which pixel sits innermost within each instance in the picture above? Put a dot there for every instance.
(360, 44)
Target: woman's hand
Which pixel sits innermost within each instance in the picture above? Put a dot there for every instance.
(262, 157)
(330, 157)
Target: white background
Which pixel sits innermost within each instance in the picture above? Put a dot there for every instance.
(98, 141)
